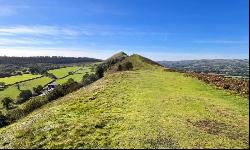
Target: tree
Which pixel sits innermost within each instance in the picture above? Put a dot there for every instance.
(70, 73)
(24, 96)
(3, 120)
(56, 93)
(99, 71)
(88, 79)
(38, 89)
(6, 102)
(18, 86)
(70, 80)
(2, 84)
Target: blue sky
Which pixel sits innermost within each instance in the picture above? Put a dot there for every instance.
(158, 29)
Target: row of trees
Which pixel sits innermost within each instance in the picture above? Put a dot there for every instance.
(45, 59)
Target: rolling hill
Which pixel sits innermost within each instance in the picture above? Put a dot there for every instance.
(146, 107)
(229, 67)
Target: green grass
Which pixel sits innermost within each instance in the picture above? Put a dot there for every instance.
(76, 77)
(14, 79)
(136, 109)
(62, 72)
(11, 92)
(34, 83)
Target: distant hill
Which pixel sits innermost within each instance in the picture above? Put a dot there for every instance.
(230, 67)
(45, 59)
(142, 106)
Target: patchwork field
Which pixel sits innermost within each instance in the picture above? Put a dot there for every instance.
(77, 76)
(136, 109)
(62, 72)
(34, 83)
(13, 92)
(14, 79)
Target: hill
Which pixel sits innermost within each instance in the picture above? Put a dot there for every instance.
(230, 67)
(144, 107)
(45, 59)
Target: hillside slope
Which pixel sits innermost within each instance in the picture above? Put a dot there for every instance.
(144, 108)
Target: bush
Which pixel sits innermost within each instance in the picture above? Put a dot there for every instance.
(14, 114)
(34, 103)
(70, 73)
(6, 102)
(24, 96)
(38, 89)
(88, 79)
(2, 84)
(56, 93)
(100, 71)
(71, 86)
(3, 120)
(128, 66)
(124, 67)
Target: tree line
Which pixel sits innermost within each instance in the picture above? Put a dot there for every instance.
(45, 59)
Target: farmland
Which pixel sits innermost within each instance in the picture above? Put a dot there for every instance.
(10, 91)
(77, 76)
(34, 83)
(18, 78)
(62, 72)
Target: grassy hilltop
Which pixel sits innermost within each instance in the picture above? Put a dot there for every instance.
(146, 107)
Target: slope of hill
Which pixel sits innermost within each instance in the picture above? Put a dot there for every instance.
(231, 67)
(144, 108)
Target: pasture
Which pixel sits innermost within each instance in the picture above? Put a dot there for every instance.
(18, 78)
(34, 83)
(62, 72)
(77, 76)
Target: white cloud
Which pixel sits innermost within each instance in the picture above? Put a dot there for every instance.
(72, 31)
(37, 30)
(23, 41)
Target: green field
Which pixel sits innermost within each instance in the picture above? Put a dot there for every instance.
(14, 79)
(77, 76)
(13, 92)
(34, 83)
(136, 109)
(62, 72)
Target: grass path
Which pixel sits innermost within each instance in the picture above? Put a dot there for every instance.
(136, 109)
